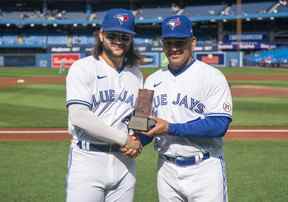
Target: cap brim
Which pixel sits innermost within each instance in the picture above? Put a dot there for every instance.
(118, 29)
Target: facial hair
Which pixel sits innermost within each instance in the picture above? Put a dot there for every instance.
(110, 53)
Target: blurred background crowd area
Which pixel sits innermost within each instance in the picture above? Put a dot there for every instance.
(46, 33)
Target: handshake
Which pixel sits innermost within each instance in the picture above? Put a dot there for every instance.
(142, 122)
(133, 147)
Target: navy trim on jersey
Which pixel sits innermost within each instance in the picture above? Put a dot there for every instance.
(69, 164)
(209, 127)
(120, 69)
(70, 102)
(218, 114)
(120, 116)
(105, 107)
(122, 66)
(182, 69)
(224, 179)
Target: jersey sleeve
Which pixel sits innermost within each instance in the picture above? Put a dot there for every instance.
(78, 90)
(218, 100)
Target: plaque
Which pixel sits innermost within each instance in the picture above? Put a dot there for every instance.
(140, 121)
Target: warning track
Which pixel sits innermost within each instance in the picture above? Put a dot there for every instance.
(52, 134)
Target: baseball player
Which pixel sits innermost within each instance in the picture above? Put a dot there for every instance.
(193, 106)
(101, 93)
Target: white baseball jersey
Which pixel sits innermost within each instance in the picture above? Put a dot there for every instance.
(109, 94)
(199, 91)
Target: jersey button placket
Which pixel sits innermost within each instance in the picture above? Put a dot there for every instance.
(174, 95)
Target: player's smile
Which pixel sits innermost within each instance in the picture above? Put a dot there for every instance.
(117, 47)
(118, 42)
(175, 54)
(177, 51)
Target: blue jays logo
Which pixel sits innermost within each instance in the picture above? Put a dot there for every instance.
(174, 23)
(122, 18)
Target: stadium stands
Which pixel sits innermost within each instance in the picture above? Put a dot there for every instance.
(50, 28)
(253, 8)
(210, 10)
(153, 14)
(274, 57)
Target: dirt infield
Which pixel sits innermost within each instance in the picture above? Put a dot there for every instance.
(13, 81)
(256, 91)
(33, 134)
(257, 77)
(60, 134)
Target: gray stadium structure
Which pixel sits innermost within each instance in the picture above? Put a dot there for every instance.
(47, 33)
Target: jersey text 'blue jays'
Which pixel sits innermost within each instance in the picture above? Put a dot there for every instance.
(180, 100)
(109, 95)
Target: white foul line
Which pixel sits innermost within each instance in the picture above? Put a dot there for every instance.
(258, 130)
(65, 131)
(33, 131)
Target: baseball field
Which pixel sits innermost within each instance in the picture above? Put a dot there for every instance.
(34, 143)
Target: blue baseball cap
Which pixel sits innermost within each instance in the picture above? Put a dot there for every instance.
(178, 26)
(120, 20)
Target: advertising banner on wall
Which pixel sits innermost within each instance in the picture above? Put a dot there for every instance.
(18, 60)
(150, 59)
(1, 61)
(246, 37)
(213, 58)
(245, 46)
(64, 59)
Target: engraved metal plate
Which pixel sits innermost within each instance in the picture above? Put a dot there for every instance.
(140, 120)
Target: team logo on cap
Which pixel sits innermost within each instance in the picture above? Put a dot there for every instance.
(122, 18)
(174, 23)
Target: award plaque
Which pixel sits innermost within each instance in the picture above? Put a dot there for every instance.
(140, 120)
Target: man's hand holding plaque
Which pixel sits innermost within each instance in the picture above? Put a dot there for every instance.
(140, 121)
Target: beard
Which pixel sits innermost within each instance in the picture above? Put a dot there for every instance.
(110, 53)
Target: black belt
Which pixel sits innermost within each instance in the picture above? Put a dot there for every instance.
(98, 147)
(186, 161)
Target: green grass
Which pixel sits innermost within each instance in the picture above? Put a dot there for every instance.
(254, 71)
(276, 84)
(33, 106)
(242, 71)
(28, 72)
(44, 106)
(260, 112)
(257, 171)
(35, 171)
(32, 171)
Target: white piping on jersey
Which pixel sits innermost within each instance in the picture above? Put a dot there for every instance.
(218, 114)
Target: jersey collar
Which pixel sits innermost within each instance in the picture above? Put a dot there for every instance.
(182, 69)
(119, 70)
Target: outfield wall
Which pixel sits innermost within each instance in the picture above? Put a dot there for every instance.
(151, 59)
